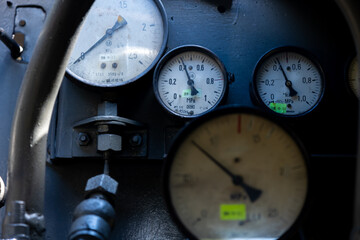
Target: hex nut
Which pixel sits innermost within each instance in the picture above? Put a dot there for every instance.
(101, 183)
(107, 142)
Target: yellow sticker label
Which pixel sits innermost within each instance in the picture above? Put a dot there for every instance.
(278, 107)
(232, 212)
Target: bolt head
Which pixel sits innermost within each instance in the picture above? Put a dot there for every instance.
(22, 23)
(136, 140)
(83, 139)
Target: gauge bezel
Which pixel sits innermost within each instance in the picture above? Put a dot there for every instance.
(255, 93)
(222, 111)
(179, 50)
(163, 14)
(347, 77)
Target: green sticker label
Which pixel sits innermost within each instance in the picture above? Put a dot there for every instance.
(232, 212)
(186, 93)
(278, 107)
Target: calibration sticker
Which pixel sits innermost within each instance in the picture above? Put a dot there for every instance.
(232, 212)
(278, 107)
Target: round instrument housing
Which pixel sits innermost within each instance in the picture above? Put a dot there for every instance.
(118, 42)
(190, 81)
(236, 174)
(288, 81)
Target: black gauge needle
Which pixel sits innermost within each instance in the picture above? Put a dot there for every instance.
(190, 82)
(237, 180)
(120, 22)
(288, 83)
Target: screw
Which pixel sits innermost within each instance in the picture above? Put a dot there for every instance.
(135, 140)
(84, 139)
(22, 23)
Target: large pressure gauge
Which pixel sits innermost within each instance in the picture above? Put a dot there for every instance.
(234, 174)
(190, 81)
(288, 82)
(119, 42)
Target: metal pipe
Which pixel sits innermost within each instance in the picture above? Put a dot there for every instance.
(14, 47)
(41, 83)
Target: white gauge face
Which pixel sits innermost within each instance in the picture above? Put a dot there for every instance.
(238, 177)
(289, 83)
(353, 77)
(118, 42)
(190, 84)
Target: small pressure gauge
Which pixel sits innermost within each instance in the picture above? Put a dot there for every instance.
(190, 81)
(236, 174)
(288, 82)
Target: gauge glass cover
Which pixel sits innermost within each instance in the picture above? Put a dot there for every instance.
(118, 42)
(190, 81)
(236, 176)
(288, 82)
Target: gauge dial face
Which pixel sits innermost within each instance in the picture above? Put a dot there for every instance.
(353, 77)
(236, 176)
(288, 82)
(118, 42)
(190, 81)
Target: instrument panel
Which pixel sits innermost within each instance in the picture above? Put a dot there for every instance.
(269, 58)
(305, 89)
(298, 70)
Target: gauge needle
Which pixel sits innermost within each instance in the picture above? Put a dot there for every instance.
(190, 82)
(120, 22)
(237, 180)
(288, 83)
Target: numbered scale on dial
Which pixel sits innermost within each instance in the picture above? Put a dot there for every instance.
(288, 82)
(234, 174)
(119, 42)
(190, 81)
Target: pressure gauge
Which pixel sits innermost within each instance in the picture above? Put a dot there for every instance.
(236, 174)
(353, 77)
(288, 82)
(119, 42)
(190, 81)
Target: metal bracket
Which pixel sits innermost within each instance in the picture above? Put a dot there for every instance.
(107, 131)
